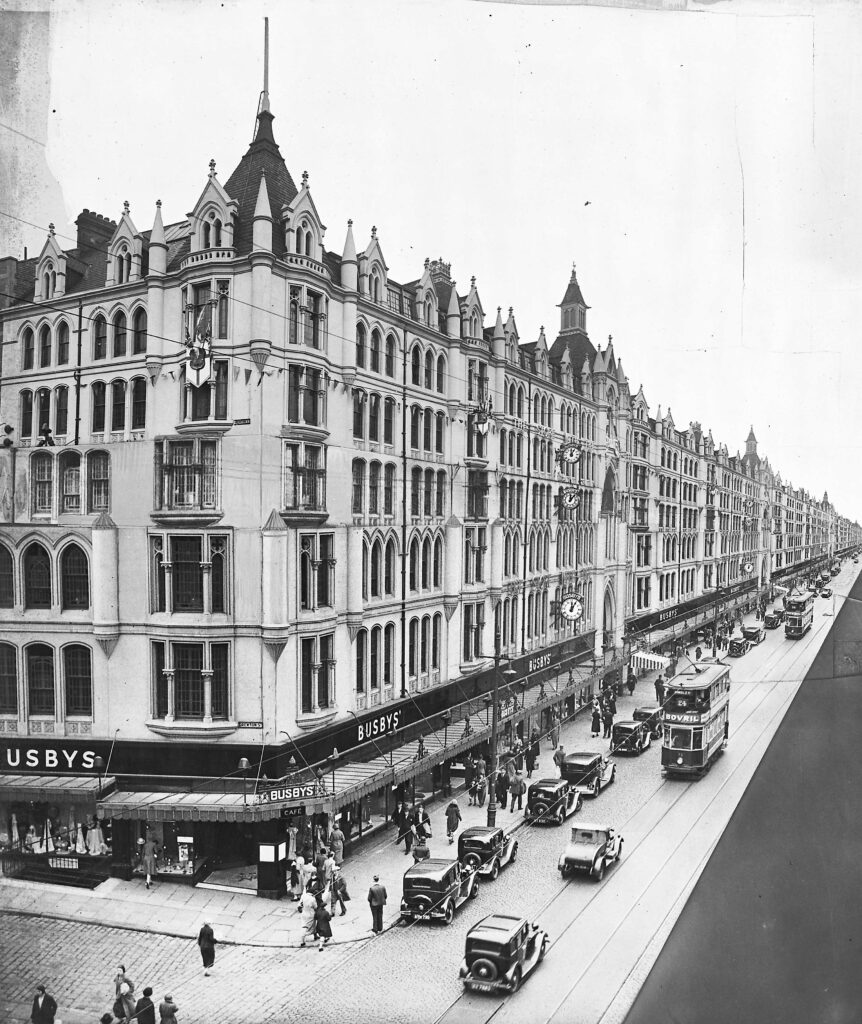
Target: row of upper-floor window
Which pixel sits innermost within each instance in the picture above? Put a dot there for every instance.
(45, 411)
(29, 676)
(37, 577)
(69, 482)
(53, 344)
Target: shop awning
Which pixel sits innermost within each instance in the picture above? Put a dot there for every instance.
(151, 806)
(646, 662)
(56, 788)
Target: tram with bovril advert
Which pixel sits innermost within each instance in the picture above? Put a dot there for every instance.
(798, 614)
(696, 718)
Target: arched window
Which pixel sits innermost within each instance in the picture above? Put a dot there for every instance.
(40, 680)
(439, 433)
(376, 568)
(374, 667)
(78, 680)
(27, 350)
(416, 365)
(139, 332)
(412, 644)
(70, 482)
(8, 680)
(436, 641)
(62, 343)
(437, 579)
(375, 351)
(416, 492)
(49, 279)
(440, 509)
(139, 403)
(100, 337)
(429, 369)
(97, 403)
(390, 356)
(45, 346)
(118, 405)
(206, 235)
(358, 502)
(425, 644)
(360, 345)
(361, 645)
(74, 578)
(389, 568)
(119, 334)
(428, 496)
(415, 420)
(7, 579)
(61, 411)
(374, 418)
(414, 565)
(426, 563)
(42, 470)
(359, 413)
(43, 410)
(98, 479)
(427, 429)
(374, 489)
(441, 374)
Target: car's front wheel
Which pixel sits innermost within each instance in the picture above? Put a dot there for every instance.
(599, 871)
(495, 870)
(449, 913)
(516, 979)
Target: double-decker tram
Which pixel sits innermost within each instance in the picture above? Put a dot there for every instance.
(798, 614)
(696, 718)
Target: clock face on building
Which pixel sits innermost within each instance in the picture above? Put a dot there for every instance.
(570, 453)
(571, 608)
(748, 567)
(571, 499)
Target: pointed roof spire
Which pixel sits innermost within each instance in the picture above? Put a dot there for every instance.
(498, 326)
(751, 436)
(599, 362)
(157, 235)
(262, 207)
(349, 253)
(264, 96)
(454, 305)
(573, 292)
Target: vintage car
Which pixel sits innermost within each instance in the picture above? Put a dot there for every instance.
(486, 850)
(591, 849)
(826, 592)
(650, 714)
(756, 634)
(773, 618)
(436, 888)
(589, 771)
(630, 737)
(500, 951)
(550, 801)
(738, 646)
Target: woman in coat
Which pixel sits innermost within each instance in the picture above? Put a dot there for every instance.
(148, 858)
(596, 724)
(481, 782)
(168, 1011)
(324, 929)
(336, 844)
(453, 819)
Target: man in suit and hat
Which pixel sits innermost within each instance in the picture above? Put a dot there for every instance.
(377, 901)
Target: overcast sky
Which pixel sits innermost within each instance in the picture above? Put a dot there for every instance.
(700, 167)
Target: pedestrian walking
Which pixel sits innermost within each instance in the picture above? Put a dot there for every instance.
(608, 719)
(308, 908)
(423, 823)
(168, 1010)
(530, 760)
(319, 871)
(338, 891)
(297, 878)
(481, 789)
(559, 758)
(518, 755)
(401, 817)
(535, 737)
(698, 653)
(377, 901)
(124, 987)
(555, 728)
(453, 819)
(501, 788)
(323, 928)
(631, 681)
(145, 1010)
(517, 789)
(329, 866)
(659, 689)
(336, 844)
(612, 702)
(596, 723)
(207, 942)
(44, 1007)
(470, 778)
(149, 852)
(481, 765)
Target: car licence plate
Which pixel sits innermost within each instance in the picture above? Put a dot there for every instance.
(481, 986)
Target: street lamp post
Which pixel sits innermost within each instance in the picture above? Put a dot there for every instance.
(447, 718)
(99, 765)
(495, 711)
(244, 765)
(333, 757)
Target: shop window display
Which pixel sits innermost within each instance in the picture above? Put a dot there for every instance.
(58, 831)
(176, 850)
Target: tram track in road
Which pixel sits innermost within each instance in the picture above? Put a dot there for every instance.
(478, 1010)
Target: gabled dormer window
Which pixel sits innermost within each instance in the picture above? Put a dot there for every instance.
(123, 266)
(49, 281)
(211, 232)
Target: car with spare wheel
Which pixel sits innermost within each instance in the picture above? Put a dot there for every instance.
(500, 951)
(588, 771)
(591, 849)
(650, 715)
(738, 646)
(630, 737)
(754, 634)
(551, 801)
(435, 888)
(485, 849)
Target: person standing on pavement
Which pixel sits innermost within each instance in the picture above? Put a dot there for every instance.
(608, 719)
(555, 728)
(596, 723)
(297, 878)
(535, 737)
(308, 908)
(631, 681)
(501, 788)
(481, 766)
(336, 844)
(149, 852)
(323, 929)
(207, 943)
(529, 760)
(469, 778)
(402, 823)
(423, 823)
(453, 819)
(481, 788)
(698, 653)
(518, 754)
(517, 789)
(44, 1007)
(659, 689)
(377, 901)
(338, 890)
(559, 758)
(145, 1010)
(328, 868)
(168, 1010)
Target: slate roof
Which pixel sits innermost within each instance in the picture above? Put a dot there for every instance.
(262, 157)
(578, 346)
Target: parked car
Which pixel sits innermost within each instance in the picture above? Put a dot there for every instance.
(550, 801)
(630, 737)
(590, 850)
(650, 714)
(738, 646)
(486, 850)
(826, 592)
(773, 618)
(755, 634)
(500, 952)
(588, 771)
(436, 888)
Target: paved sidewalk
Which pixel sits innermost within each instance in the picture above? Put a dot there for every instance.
(178, 910)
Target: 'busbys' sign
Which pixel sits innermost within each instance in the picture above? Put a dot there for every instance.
(283, 794)
(18, 757)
